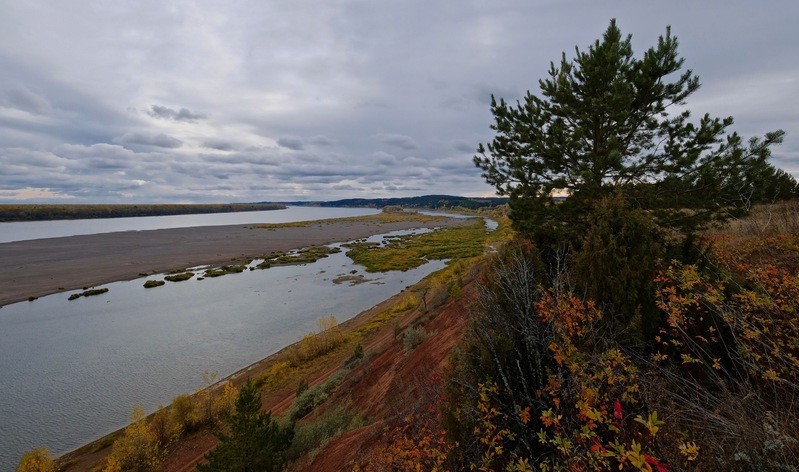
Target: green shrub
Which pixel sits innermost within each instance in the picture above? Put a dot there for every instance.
(413, 337)
(309, 437)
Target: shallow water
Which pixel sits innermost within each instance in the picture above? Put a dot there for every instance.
(72, 370)
(25, 230)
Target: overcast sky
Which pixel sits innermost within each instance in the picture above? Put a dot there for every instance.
(105, 101)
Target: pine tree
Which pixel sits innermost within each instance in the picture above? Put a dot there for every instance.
(608, 122)
(253, 441)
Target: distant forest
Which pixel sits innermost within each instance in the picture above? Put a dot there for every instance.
(70, 212)
(425, 201)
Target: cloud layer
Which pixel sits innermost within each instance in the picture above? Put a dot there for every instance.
(200, 101)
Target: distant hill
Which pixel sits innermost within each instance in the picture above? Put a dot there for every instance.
(425, 201)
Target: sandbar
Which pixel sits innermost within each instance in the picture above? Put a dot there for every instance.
(44, 266)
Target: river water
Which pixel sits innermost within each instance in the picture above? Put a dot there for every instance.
(72, 370)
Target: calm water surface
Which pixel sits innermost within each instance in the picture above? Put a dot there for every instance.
(25, 230)
(72, 370)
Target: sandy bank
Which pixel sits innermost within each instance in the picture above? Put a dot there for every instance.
(44, 266)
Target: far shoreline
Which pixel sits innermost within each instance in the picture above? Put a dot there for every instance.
(36, 268)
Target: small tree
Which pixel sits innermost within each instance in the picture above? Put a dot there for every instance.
(603, 124)
(37, 460)
(253, 441)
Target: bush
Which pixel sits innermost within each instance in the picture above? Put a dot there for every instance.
(183, 412)
(308, 400)
(413, 337)
(137, 449)
(37, 460)
(615, 267)
(309, 437)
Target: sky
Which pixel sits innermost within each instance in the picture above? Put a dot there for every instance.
(106, 101)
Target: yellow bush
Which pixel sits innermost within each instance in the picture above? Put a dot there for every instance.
(137, 449)
(37, 460)
(225, 400)
(183, 412)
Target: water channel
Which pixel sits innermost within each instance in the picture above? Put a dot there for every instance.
(72, 370)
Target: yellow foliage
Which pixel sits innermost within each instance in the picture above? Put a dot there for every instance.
(225, 401)
(37, 460)
(137, 449)
(327, 337)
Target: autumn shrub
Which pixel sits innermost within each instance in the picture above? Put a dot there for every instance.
(729, 362)
(327, 337)
(504, 343)
(36, 460)
(183, 412)
(225, 401)
(417, 442)
(163, 428)
(136, 450)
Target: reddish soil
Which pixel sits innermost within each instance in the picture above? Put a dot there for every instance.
(383, 387)
(395, 382)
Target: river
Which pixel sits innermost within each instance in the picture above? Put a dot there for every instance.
(73, 370)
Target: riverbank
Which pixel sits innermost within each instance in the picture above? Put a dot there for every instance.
(44, 266)
(376, 330)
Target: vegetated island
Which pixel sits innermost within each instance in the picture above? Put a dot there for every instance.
(45, 266)
(34, 212)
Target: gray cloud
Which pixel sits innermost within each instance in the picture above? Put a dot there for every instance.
(362, 99)
(398, 140)
(292, 143)
(147, 139)
(166, 113)
(219, 145)
(22, 98)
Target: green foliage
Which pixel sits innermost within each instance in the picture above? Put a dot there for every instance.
(408, 252)
(413, 337)
(153, 283)
(301, 387)
(308, 437)
(253, 441)
(616, 264)
(308, 400)
(307, 255)
(88, 293)
(179, 277)
(224, 270)
(603, 124)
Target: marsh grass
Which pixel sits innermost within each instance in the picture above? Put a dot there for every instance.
(307, 255)
(179, 277)
(411, 251)
(153, 283)
(379, 218)
(88, 293)
(224, 270)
